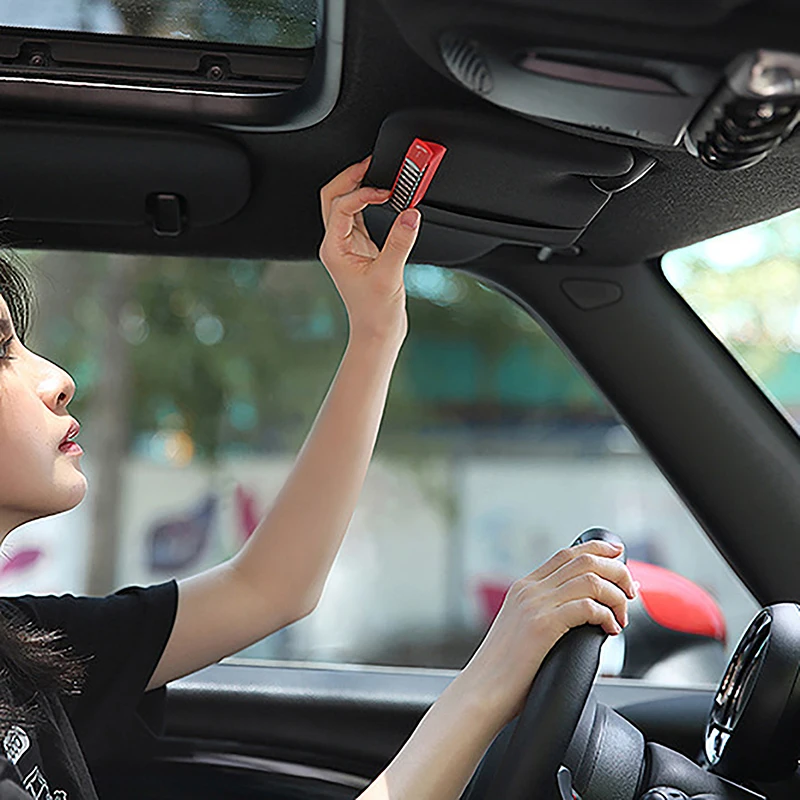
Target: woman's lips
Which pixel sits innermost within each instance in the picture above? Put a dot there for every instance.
(68, 445)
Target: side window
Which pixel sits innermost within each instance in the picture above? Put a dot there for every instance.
(746, 286)
(494, 453)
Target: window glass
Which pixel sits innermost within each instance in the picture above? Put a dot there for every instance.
(746, 286)
(198, 381)
(275, 23)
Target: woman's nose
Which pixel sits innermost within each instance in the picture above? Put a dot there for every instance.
(56, 387)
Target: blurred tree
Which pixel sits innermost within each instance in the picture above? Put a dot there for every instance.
(277, 23)
(137, 17)
(746, 286)
(109, 408)
(239, 354)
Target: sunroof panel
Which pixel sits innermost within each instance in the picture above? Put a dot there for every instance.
(266, 23)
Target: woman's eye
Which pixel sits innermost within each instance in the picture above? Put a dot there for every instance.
(5, 348)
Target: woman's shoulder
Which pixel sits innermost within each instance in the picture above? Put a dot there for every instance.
(84, 618)
(36, 607)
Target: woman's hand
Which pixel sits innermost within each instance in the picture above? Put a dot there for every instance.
(369, 280)
(583, 584)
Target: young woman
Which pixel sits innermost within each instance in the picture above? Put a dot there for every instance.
(81, 678)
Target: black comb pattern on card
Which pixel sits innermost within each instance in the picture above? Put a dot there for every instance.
(410, 178)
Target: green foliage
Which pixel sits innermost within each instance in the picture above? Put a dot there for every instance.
(245, 349)
(746, 286)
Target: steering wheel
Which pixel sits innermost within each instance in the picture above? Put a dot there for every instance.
(551, 713)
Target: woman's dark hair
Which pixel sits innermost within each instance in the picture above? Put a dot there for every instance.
(15, 288)
(31, 660)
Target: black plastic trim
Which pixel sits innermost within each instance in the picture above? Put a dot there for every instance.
(450, 237)
(29, 53)
(505, 231)
(349, 718)
(174, 779)
(266, 765)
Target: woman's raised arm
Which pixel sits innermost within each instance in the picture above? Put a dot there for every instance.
(279, 574)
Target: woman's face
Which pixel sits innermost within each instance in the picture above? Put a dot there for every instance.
(39, 471)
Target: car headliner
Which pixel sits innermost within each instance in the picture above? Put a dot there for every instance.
(678, 203)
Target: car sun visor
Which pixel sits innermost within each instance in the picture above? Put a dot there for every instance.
(74, 173)
(503, 180)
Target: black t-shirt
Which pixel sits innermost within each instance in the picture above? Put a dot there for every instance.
(123, 636)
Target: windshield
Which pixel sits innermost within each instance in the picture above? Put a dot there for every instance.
(198, 380)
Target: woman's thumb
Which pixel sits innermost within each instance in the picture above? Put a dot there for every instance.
(401, 238)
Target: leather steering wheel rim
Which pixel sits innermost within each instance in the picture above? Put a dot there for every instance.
(556, 700)
(553, 709)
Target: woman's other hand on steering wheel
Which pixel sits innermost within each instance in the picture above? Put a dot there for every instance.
(369, 280)
(579, 585)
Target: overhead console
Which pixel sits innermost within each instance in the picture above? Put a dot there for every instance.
(730, 111)
(537, 186)
(647, 99)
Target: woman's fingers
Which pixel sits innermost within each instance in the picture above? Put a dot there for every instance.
(589, 612)
(591, 586)
(595, 547)
(612, 569)
(587, 572)
(400, 241)
(345, 182)
(343, 210)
